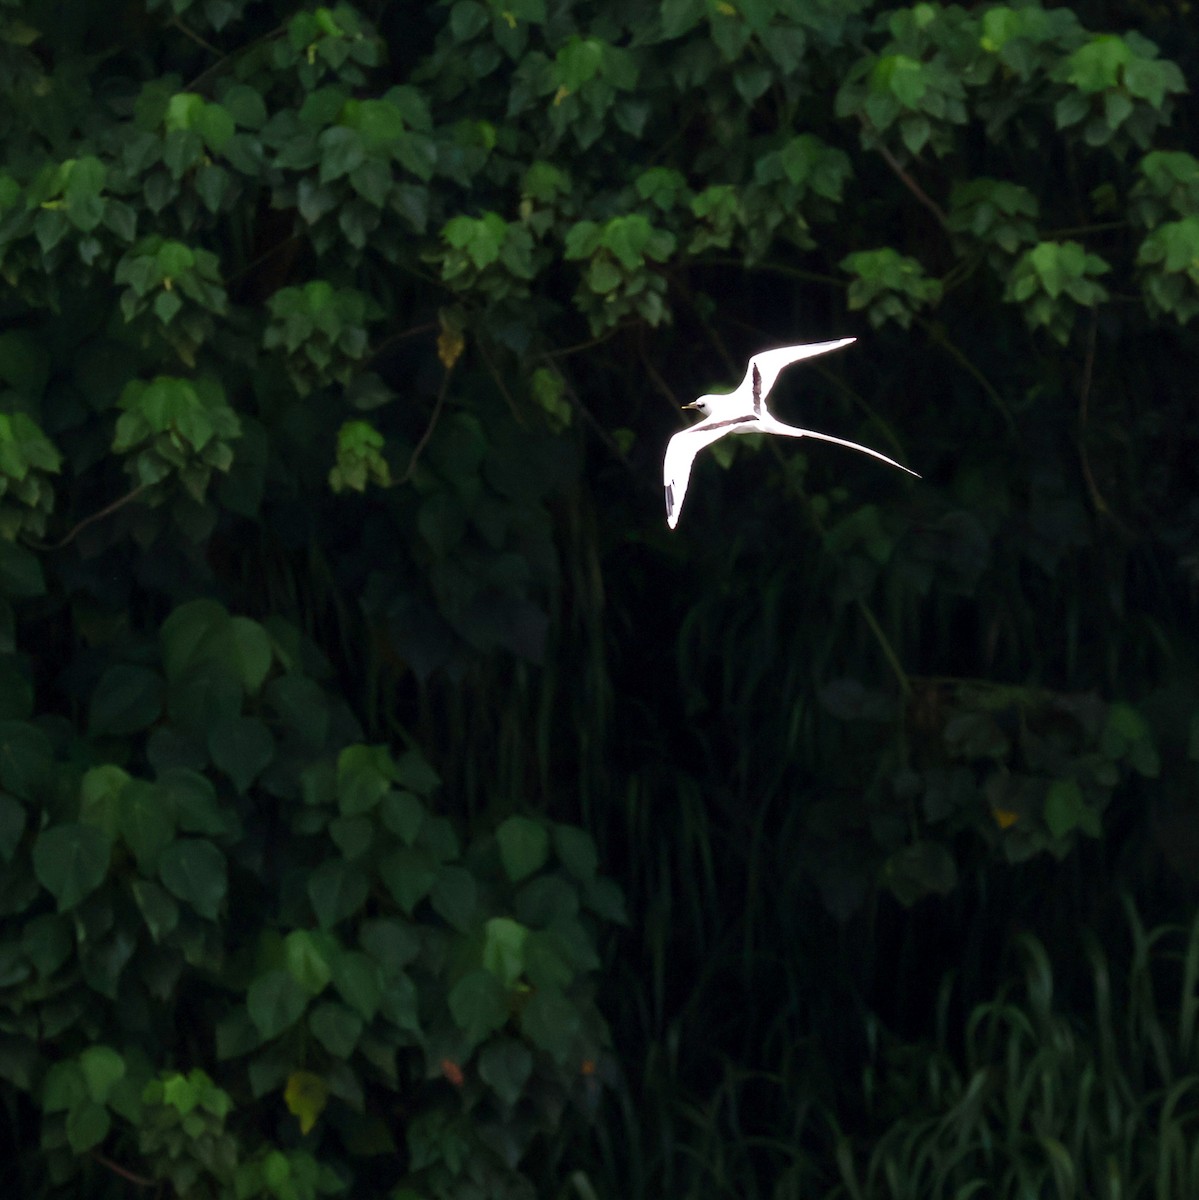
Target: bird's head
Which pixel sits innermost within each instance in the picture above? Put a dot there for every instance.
(702, 405)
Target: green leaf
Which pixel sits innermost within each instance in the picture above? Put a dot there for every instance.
(353, 836)
(64, 1087)
(275, 1002)
(159, 911)
(85, 205)
(576, 851)
(920, 869)
(20, 571)
(1066, 810)
(303, 705)
(603, 276)
(1126, 735)
(503, 949)
(402, 814)
(309, 959)
(245, 105)
(305, 1095)
(336, 1027)
(478, 1004)
(71, 861)
(378, 121)
(87, 1126)
(145, 819)
(524, 847)
(1096, 66)
(505, 1065)
(680, 16)
(545, 899)
(408, 875)
(392, 943)
(12, 826)
(455, 898)
(551, 1023)
(441, 521)
(399, 1004)
(337, 890)
(26, 760)
(102, 1069)
(194, 801)
(357, 978)
(215, 126)
(363, 778)
(236, 1035)
(341, 152)
(126, 699)
(254, 653)
(191, 634)
(47, 942)
(242, 747)
(194, 870)
(545, 960)
(100, 793)
(412, 771)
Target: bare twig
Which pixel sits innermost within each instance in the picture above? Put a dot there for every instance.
(872, 623)
(424, 438)
(1084, 403)
(498, 380)
(123, 1172)
(884, 644)
(593, 423)
(658, 381)
(912, 185)
(391, 339)
(937, 334)
(195, 37)
(226, 60)
(107, 510)
(254, 264)
(579, 346)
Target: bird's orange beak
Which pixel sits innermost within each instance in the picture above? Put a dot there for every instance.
(691, 405)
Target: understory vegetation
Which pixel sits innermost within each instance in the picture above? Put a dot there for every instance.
(391, 805)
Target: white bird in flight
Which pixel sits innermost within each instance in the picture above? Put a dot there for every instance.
(744, 411)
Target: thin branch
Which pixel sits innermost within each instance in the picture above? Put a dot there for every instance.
(175, 23)
(123, 1172)
(391, 339)
(549, 355)
(779, 269)
(659, 382)
(937, 334)
(424, 439)
(107, 510)
(223, 62)
(912, 185)
(254, 264)
(1084, 403)
(885, 646)
(1073, 230)
(593, 422)
(498, 380)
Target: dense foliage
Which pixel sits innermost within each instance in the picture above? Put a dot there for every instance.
(391, 805)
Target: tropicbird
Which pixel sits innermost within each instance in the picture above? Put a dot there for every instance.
(744, 411)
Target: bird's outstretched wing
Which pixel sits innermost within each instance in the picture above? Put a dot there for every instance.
(770, 362)
(680, 454)
(771, 424)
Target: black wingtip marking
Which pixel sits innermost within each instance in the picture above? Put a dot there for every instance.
(757, 390)
(669, 498)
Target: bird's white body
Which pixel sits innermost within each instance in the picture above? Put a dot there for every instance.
(743, 411)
